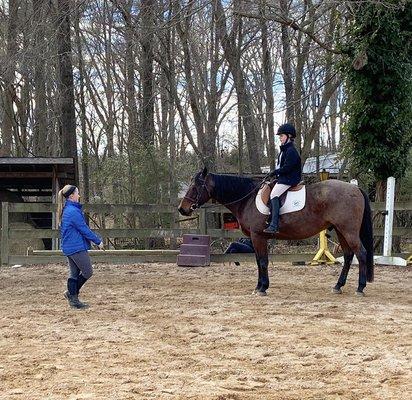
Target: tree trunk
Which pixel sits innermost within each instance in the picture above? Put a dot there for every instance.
(22, 103)
(131, 108)
(109, 91)
(65, 83)
(147, 38)
(333, 104)
(8, 126)
(40, 110)
(287, 64)
(240, 145)
(170, 75)
(82, 107)
(212, 97)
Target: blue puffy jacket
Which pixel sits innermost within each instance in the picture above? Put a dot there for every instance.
(290, 168)
(75, 234)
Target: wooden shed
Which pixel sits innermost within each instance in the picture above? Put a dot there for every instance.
(35, 179)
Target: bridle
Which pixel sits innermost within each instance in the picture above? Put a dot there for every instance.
(195, 202)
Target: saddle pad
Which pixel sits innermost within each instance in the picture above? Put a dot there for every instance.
(295, 201)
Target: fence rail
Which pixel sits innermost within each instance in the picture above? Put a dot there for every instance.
(158, 208)
(10, 234)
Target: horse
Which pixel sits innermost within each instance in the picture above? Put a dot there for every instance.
(329, 204)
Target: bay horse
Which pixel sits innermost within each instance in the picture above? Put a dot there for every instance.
(329, 204)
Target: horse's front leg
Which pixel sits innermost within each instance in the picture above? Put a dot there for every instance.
(262, 260)
(259, 282)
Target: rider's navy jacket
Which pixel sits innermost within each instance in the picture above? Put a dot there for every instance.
(75, 234)
(290, 166)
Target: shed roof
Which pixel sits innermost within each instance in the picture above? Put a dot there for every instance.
(34, 175)
(328, 162)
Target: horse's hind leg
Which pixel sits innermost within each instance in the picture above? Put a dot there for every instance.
(348, 257)
(353, 241)
(361, 255)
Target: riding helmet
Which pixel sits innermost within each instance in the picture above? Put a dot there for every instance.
(287, 129)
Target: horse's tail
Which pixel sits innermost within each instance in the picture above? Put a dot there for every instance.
(366, 237)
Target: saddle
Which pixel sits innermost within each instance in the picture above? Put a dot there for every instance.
(267, 188)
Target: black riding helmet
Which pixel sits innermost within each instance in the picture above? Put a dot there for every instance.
(287, 129)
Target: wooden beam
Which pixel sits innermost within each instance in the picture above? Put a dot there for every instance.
(98, 208)
(5, 233)
(32, 174)
(36, 160)
(105, 233)
(126, 252)
(161, 208)
(36, 259)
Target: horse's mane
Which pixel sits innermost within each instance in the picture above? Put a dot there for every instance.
(229, 188)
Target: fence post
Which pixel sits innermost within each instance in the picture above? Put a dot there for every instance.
(202, 221)
(390, 199)
(387, 258)
(5, 233)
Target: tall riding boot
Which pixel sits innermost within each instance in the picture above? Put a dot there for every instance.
(274, 223)
(71, 294)
(81, 280)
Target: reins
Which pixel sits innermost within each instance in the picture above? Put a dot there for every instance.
(195, 205)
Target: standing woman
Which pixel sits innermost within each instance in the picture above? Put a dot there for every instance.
(288, 171)
(75, 242)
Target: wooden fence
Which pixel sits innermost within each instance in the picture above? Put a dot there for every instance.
(9, 234)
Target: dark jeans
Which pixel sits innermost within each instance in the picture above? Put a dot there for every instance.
(237, 247)
(80, 263)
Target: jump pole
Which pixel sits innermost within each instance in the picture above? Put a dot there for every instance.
(386, 258)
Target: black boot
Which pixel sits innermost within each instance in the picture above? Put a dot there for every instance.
(71, 294)
(274, 224)
(81, 280)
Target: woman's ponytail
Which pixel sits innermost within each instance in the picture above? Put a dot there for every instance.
(61, 200)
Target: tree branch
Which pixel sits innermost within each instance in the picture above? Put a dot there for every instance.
(293, 24)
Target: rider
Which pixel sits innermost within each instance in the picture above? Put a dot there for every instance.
(288, 171)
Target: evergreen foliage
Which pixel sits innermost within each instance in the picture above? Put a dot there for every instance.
(379, 84)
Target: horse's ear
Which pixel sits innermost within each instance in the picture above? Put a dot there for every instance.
(204, 172)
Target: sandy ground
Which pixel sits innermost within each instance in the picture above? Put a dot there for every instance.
(157, 331)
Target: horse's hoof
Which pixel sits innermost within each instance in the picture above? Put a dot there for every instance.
(337, 290)
(259, 293)
(361, 294)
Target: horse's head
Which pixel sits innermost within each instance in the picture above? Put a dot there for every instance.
(197, 194)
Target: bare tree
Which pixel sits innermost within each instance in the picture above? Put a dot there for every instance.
(232, 55)
(268, 78)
